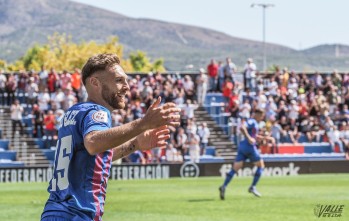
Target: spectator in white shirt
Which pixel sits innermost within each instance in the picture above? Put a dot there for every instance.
(193, 143)
(250, 74)
(16, 116)
(245, 109)
(204, 134)
(201, 86)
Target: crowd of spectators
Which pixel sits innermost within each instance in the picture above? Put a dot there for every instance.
(296, 105)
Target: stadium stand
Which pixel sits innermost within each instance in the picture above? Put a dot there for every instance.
(319, 100)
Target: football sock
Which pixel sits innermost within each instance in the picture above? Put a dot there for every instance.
(257, 175)
(228, 178)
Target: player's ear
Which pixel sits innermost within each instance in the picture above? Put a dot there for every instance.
(94, 81)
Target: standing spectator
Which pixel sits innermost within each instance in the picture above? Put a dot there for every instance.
(59, 115)
(38, 121)
(284, 77)
(201, 86)
(220, 76)
(52, 81)
(212, 70)
(65, 80)
(250, 75)
(189, 109)
(32, 91)
(276, 130)
(11, 86)
(229, 69)
(44, 100)
(57, 99)
(273, 86)
(76, 82)
(234, 103)
(22, 82)
(317, 79)
(3, 81)
(69, 99)
(43, 75)
(189, 88)
(245, 109)
(204, 134)
(16, 116)
(228, 86)
(181, 140)
(49, 122)
(193, 142)
(261, 100)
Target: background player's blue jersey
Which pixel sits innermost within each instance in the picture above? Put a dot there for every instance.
(251, 126)
(78, 187)
(245, 149)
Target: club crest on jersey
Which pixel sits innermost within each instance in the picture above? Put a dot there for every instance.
(100, 116)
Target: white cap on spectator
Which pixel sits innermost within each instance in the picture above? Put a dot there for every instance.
(202, 70)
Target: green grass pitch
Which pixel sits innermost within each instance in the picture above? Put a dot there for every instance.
(284, 198)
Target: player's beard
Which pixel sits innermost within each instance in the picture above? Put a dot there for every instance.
(112, 98)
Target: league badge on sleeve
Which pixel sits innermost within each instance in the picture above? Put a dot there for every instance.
(100, 116)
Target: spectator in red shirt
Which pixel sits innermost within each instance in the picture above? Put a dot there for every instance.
(52, 80)
(228, 86)
(76, 82)
(49, 122)
(212, 70)
(234, 104)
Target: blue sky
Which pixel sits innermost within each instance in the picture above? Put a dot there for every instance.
(298, 24)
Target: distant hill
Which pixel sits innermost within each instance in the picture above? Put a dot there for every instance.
(23, 22)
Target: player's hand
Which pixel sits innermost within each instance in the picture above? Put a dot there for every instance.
(153, 138)
(157, 116)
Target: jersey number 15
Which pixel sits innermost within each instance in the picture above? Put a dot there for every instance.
(64, 146)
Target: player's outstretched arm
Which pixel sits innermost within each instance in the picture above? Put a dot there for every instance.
(156, 116)
(144, 141)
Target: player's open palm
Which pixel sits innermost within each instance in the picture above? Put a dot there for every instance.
(153, 138)
(157, 116)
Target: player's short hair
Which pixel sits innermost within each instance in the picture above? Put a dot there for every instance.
(98, 62)
(259, 111)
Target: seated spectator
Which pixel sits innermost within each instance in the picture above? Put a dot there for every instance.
(135, 157)
(172, 155)
(333, 135)
(344, 135)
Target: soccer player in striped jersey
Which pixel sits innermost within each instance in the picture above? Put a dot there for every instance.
(87, 144)
(247, 149)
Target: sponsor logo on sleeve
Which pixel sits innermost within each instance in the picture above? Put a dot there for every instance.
(100, 116)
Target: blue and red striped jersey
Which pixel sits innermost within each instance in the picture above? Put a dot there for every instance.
(78, 186)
